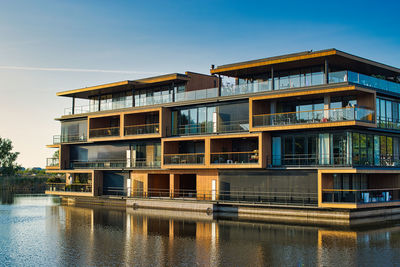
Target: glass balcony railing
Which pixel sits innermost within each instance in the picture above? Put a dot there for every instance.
(281, 83)
(211, 127)
(334, 159)
(192, 158)
(59, 139)
(116, 163)
(315, 116)
(196, 94)
(360, 196)
(104, 132)
(52, 162)
(153, 128)
(62, 187)
(235, 157)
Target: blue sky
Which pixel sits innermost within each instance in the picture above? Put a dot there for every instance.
(50, 46)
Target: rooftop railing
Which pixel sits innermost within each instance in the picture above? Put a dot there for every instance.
(314, 116)
(238, 89)
(191, 158)
(363, 196)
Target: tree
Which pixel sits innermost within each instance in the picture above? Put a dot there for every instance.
(8, 166)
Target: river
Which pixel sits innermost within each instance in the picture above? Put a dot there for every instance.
(35, 230)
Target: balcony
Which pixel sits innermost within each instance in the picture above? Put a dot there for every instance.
(314, 117)
(235, 157)
(139, 163)
(281, 83)
(334, 159)
(210, 128)
(365, 196)
(62, 187)
(153, 128)
(60, 139)
(104, 132)
(178, 159)
(52, 163)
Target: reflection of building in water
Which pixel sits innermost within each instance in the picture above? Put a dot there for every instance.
(157, 238)
(347, 242)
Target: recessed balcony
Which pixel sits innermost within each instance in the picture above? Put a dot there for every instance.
(323, 116)
(184, 153)
(142, 123)
(52, 163)
(103, 127)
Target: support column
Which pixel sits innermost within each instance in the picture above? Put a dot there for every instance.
(219, 84)
(326, 72)
(133, 97)
(171, 185)
(173, 92)
(73, 105)
(98, 108)
(272, 78)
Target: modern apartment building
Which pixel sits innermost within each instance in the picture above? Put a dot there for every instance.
(315, 128)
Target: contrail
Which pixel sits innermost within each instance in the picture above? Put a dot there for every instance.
(76, 70)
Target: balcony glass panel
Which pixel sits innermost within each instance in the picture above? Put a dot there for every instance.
(192, 158)
(52, 162)
(360, 196)
(314, 116)
(104, 132)
(153, 128)
(234, 157)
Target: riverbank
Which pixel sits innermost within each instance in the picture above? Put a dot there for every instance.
(9, 186)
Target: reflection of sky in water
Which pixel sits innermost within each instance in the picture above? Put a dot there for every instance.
(37, 231)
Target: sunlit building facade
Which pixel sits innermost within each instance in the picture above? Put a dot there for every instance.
(312, 129)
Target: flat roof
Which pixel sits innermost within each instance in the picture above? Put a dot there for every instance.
(118, 86)
(289, 59)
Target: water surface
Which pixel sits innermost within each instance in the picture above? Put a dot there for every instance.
(38, 231)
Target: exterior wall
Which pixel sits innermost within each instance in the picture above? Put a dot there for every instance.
(200, 81)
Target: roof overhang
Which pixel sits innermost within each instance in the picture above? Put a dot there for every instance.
(124, 85)
(306, 59)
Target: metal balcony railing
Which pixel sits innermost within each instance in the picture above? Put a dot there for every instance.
(235, 157)
(116, 164)
(244, 196)
(153, 128)
(62, 187)
(314, 116)
(104, 132)
(333, 159)
(52, 162)
(212, 127)
(192, 158)
(59, 139)
(361, 196)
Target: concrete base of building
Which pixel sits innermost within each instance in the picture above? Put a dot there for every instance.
(248, 212)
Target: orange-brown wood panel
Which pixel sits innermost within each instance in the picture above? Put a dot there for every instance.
(200, 81)
(165, 122)
(204, 183)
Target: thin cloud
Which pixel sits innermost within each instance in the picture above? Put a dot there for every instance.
(76, 70)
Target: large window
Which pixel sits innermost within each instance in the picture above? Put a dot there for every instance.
(73, 131)
(387, 113)
(211, 119)
(336, 148)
